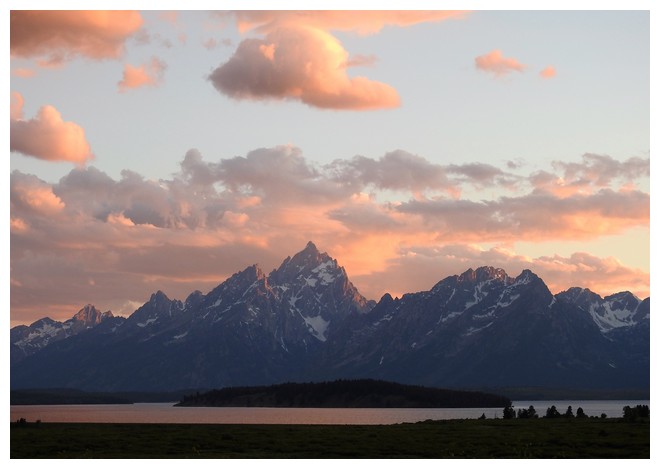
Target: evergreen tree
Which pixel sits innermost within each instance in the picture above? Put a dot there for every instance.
(552, 413)
(531, 412)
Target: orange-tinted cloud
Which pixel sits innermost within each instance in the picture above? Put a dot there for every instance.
(494, 62)
(62, 35)
(298, 59)
(23, 72)
(419, 267)
(47, 136)
(16, 106)
(31, 195)
(593, 173)
(604, 276)
(536, 216)
(548, 72)
(362, 22)
(299, 63)
(92, 238)
(149, 74)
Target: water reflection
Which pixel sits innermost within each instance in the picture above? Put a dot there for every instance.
(167, 413)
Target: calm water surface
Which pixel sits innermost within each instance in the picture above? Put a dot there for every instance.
(167, 413)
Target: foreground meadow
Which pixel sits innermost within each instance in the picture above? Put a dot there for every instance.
(491, 438)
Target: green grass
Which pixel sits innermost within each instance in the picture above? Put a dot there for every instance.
(491, 438)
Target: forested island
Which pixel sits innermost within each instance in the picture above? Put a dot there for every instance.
(363, 393)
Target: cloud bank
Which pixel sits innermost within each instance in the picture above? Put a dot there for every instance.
(362, 22)
(398, 222)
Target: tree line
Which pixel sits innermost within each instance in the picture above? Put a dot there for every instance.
(629, 413)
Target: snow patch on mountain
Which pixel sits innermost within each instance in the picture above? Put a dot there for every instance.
(311, 281)
(147, 322)
(608, 317)
(474, 330)
(45, 333)
(317, 326)
(504, 303)
(323, 272)
(450, 316)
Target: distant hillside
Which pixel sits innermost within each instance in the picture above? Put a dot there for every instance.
(76, 396)
(365, 393)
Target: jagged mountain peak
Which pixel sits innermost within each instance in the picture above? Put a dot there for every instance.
(158, 301)
(252, 274)
(158, 297)
(531, 282)
(43, 322)
(310, 256)
(623, 296)
(311, 247)
(386, 298)
(194, 299)
(619, 310)
(482, 274)
(579, 295)
(308, 261)
(158, 306)
(239, 282)
(472, 278)
(90, 316)
(527, 276)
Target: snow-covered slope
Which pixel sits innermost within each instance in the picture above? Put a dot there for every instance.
(612, 312)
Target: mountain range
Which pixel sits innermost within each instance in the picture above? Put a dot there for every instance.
(305, 321)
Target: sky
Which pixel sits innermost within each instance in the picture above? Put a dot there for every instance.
(166, 150)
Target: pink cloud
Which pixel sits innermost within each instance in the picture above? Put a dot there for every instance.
(62, 35)
(23, 72)
(29, 195)
(91, 238)
(548, 72)
(298, 59)
(593, 173)
(362, 22)
(149, 74)
(419, 267)
(16, 106)
(533, 217)
(299, 63)
(494, 62)
(47, 136)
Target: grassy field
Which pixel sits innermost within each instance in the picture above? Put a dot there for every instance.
(491, 438)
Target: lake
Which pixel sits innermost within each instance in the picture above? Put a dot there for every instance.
(167, 413)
